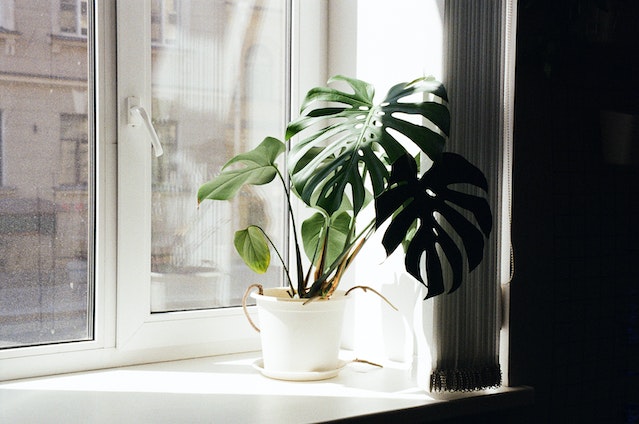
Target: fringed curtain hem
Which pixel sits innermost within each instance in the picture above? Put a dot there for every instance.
(465, 380)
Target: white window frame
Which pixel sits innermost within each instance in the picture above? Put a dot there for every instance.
(125, 330)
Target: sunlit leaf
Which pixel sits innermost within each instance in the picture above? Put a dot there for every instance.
(257, 167)
(347, 143)
(253, 248)
(338, 235)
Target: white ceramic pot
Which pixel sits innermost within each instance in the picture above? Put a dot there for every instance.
(298, 339)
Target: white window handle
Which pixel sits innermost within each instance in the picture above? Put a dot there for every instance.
(136, 114)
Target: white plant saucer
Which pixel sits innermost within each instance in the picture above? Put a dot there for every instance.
(298, 376)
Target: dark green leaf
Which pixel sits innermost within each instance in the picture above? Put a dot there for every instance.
(424, 213)
(347, 146)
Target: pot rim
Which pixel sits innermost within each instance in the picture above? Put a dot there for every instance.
(280, 294)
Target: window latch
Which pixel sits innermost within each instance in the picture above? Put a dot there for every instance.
(137, 113)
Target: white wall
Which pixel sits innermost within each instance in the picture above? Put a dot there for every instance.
(384, 43)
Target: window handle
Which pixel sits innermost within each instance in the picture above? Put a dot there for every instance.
(137, 113)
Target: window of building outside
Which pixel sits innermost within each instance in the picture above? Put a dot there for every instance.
(74, 150)
(164, 21)
(73, 17)
(105, 257)
(6, 15)
(8, 34)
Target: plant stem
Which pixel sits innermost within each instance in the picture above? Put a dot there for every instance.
(288, 275)
(366, 288)
(322, 247)
(301, 285)
(344, 260)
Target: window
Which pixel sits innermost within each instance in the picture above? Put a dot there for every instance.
(7, 18)
(122, 246)
(205, 114)
(45, 225)
(73, 17)
(8, 33)
(119, 231)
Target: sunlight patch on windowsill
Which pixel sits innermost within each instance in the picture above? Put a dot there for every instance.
(219, 385)
(230, 376)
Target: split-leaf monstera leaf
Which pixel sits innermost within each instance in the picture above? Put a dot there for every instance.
(428, 203)
(352, 139)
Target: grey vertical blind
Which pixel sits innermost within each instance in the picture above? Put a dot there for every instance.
(476, 73)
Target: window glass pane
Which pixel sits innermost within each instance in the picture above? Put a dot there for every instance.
(45, 219)
(219, 88)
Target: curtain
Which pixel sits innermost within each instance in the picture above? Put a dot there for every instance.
(478, 74)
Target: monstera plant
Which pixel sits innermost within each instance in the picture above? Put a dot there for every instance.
(348, 153)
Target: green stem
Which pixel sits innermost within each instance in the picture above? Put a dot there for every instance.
(301, 286)
(288, 276)
(361, 237)
(322, 247)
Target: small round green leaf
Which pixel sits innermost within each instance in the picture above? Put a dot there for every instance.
(252, 246)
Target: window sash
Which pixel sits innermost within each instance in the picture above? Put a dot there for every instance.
(137, 327)
(128, 333)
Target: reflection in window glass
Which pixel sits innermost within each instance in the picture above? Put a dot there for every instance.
(218, 89)
(45, 219)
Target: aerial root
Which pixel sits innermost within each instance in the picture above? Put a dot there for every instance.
(366, 288)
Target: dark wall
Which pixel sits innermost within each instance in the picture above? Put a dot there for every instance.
(574, 333)
(575, 295)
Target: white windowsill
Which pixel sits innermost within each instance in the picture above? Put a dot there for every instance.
(228, 389)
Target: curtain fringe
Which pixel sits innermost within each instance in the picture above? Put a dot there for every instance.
(465, 379)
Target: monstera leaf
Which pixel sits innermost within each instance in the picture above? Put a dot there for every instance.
(417, 209)
(258, 167)
(334, 232)
(252, 246)
(345, 139)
